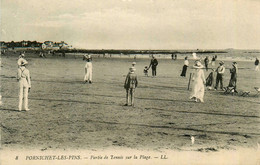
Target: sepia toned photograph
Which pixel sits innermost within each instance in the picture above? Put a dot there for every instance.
(130, 82)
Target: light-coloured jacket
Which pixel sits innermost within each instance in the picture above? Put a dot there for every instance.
(131, 81)
(23, 75)
(221, 70)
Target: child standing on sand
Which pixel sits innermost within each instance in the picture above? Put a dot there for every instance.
(130, 85)
(146, 71)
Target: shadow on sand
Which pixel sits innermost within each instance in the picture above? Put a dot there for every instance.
(178, 128)
(206, 113)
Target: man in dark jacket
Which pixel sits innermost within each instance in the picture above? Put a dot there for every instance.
(154, 64)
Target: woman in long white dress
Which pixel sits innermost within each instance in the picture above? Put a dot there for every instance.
(198, 83)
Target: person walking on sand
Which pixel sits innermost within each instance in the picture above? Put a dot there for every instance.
(185, 66)
(23, 77)
(256, 64)
(220, 74)
(153, 64)
(198, 83)
(130, 85)
(88, 69)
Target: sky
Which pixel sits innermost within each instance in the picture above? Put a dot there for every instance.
(134, 24)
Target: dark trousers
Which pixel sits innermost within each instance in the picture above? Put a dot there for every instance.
(184, 70)
(153, 71)
(219, 80)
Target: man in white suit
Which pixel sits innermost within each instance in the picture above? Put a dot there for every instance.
(23, 76)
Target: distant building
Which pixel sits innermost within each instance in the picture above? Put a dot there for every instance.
(43, 46)
(49, 44)
(35, 44)
(62, 45)
(24, 43)
(2, 43)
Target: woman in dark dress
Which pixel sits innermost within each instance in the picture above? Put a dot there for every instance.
(185, 66)
(233, 78)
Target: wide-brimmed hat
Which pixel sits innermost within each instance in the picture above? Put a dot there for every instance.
(23, 63)
(22, 55)
(234, 63)
(134, 63)
(221, 63)
(198, 65)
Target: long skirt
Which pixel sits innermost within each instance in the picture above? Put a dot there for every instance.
(198, 90)
(184, 70)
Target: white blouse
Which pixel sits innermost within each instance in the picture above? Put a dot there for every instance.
(186, 62)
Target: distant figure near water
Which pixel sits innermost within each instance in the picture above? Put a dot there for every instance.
(185, 66)
(153, 64)
(256, 64)
(133, 65)
(175, 57)
(194, 55)
(213, 61)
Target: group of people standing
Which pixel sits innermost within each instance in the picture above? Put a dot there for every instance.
(206, 62)
(199, 78)
(131, 82)
(256, 64)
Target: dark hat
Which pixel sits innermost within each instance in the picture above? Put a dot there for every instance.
(221, 63)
